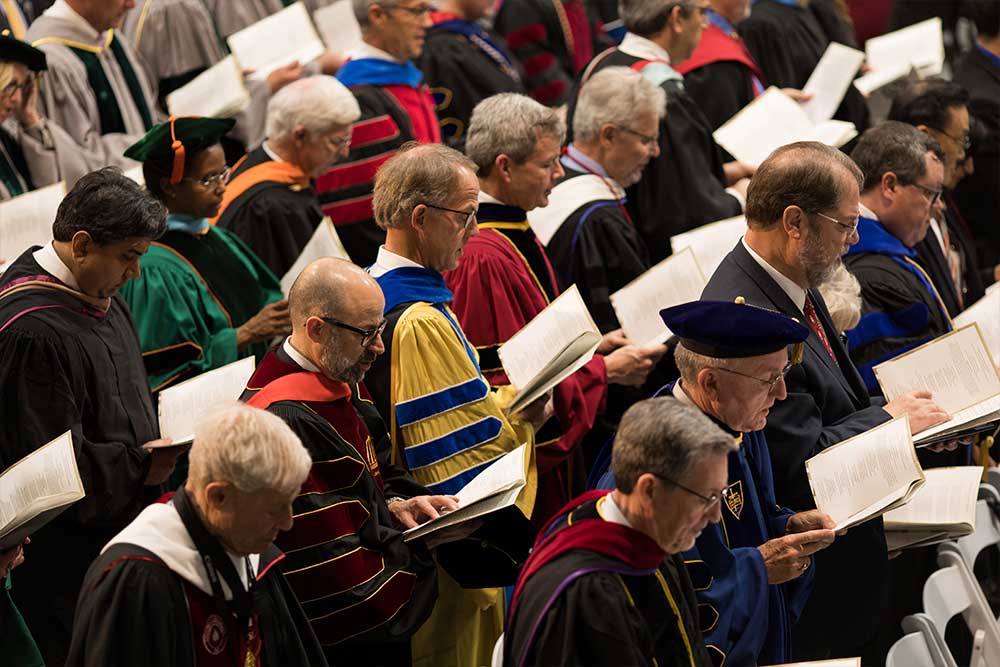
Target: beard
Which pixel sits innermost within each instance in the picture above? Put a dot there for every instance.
(814, 259)
(343, 369)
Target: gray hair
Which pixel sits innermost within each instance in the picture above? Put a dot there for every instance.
(509, 124)
(664, 437)
(614, 96)
(360, 8)
(250, 448)
(319, 103)
(417, 174)
(842, 294)
(896, 147)
(689, 363)
(648, 17)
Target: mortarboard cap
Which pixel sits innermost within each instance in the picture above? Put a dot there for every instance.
(14, 50)
(177, 138)
(732, 330)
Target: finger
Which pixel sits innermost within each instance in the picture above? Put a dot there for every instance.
(445, 503)
(920, 393)
(425, 505)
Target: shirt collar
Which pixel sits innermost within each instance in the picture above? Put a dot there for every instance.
(366, 50)
(298, 357)
(270, 153)
(61, 10)
(790, 287)
(721, 22)
(867, 212)
(610, 512)
(486, 198)
(682, 395)
(51, 262)
(584, 162)
(386, 261)
(640, 47)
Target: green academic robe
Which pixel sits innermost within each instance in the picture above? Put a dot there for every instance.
(194, 291)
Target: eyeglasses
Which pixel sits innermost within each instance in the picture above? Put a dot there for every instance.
(965, 141)
(470, 216)
(211, 180)
(422, 10)
(646, 139)
(770, 383)
(338, 142)
(368, 336)
(11, 89)
(709, 501)
(849, 228)
(931, 193)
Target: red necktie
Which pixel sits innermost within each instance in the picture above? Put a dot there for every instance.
(809, 310)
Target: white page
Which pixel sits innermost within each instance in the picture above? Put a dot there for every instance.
(920, 45)
(218, 92)
(841, 662)
(324, 243)
(276, 41)
(834, 133)
(712, 242)
(947, 497)
(985, 313)
(854, 476)
(981, 410)
(338, 26)
(47, 477)
(830, 80)
(26, 220)
(879, 78)
(182, 405)
(136, 175)
(956, 368)
(769, 122)
(541, 340)
(676, 280)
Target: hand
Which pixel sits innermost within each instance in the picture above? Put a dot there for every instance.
(786, 558)
(164, 459)
(811, 520)
(612, 340)
(272, 320)
(537, 412)
(919, 407)
(27, 111)
(283, 76)
(737, 171)
(330, 62)
(12, 558)
(947, 445)
(421, 509)
(797, 94)
(741, 187)
(630, 365)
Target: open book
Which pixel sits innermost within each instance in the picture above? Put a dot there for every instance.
(324, 243)
(958, 371)
(676, 280)
(774, 120)
(892, 56)
(495, 488)
(944, 508)
(182, 405)
(830, 81)
(338, 26)
(26, 220)
(559, 341)
(864, 477)
(218, 92)
(986, 314)
(712, 242)
(38, 488)
(276, 41)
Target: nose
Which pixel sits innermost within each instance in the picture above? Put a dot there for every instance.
(780, 390)
(378, 345)
(654, 149)
(134, 271)
(425, 20)
(715, 514)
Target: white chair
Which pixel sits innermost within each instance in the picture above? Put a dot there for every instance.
(912, 650)
(933, 640)
(987, 531)
(497, 660)
(953, 590)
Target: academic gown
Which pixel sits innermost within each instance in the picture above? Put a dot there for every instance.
(231, 17)
(363, 588)
(194, 291)
(67, 365)
(463, 63)
(596, 245)
(683, 187)
(35, 157)
(600, 593)
(147, 600)
(272, 207)
(901, 308)
(396, 107)
(787, 41)
(502, 282)
(95, 89)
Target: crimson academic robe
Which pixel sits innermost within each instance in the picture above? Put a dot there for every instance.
(364, 590)
(396, 107)
(502, 282)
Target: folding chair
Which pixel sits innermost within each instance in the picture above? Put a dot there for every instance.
(987, 531)
(912, 650)
(937, 647)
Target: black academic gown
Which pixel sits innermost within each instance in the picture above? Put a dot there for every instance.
(683, 187)
(67, 366)
(827, 402)
(720, 89)
(276, 220)
(15, 177)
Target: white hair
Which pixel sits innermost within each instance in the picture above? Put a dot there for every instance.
(614, 96)
(319, 103)
(250, 448)
(509, 124)
(842, 294)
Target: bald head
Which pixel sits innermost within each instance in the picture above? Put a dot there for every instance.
(329, 287)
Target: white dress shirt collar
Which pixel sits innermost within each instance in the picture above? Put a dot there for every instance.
(366, 50)
(298, 357)
(386, 261)
(791, 288)
(487, 198)
(48, 259)
(609, 511)
(867, 212)
(640, 47)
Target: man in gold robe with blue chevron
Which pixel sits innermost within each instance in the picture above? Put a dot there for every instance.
(446, 423)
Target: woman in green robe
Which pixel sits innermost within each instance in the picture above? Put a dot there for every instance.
(16, 644)
(204, 299)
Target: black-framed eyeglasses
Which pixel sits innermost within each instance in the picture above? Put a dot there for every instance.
(646, 139)
(11, 89)
(931, 193)
(709, 500)
(368, 336)
(211, 180)
(770, 383)
(849, 228)
(965, 141)
(470, 216)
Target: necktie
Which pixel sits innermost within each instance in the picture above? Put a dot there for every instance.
(809, 310)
